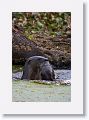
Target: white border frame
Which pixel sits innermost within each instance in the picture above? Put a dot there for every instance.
(76, 104)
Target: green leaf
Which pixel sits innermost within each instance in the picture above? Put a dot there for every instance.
(40, 24)
(30, 37)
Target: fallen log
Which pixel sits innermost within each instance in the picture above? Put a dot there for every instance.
(23, 48)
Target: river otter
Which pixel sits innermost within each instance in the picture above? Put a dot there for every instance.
(38, 68)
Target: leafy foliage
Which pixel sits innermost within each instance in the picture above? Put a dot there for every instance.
(51, 23)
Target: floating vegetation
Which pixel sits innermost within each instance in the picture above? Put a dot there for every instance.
(56, 82)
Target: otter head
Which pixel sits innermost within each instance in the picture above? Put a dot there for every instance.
(37, 60)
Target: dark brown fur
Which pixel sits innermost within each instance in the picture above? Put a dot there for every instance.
(38, 68)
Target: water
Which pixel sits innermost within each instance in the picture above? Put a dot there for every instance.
(59, 75)
(63, 74)
(42, 91)
(26, 91)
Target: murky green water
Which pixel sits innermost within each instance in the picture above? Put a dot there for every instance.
(27, 91)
